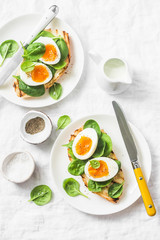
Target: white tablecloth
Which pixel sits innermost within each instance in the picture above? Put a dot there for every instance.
(130, 29)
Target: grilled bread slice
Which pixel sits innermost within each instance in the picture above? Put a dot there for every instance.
(119, 178)
(57, 74)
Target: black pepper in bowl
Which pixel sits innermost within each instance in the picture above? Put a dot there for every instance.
(35, 125)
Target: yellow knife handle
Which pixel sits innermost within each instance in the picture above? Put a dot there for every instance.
(149, 205)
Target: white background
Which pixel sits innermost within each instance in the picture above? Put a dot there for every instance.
(130, 29)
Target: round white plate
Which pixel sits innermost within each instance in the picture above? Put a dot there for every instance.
(95, 204)
(18, 29)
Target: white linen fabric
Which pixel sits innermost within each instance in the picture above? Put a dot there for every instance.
(130, 29)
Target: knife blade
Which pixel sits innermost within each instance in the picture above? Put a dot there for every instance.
(17, 58)
(133, 155)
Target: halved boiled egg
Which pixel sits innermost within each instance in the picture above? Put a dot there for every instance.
(52, 54)
(40, 75)
(107, 170)
(85, 144)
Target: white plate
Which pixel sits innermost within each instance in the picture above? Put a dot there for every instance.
(18, 29)
(95, 204)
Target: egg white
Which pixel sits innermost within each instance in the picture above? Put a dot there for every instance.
(48, 40)
(88, 132)
(26, 77)
(112, 169)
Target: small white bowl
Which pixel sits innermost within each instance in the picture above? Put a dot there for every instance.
(39, 137)
(16, 167)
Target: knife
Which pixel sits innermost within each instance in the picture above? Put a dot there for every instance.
(133, 155)
(17, 58)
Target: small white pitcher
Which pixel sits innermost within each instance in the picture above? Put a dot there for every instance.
(112, 74)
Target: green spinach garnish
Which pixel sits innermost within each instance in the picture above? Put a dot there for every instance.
(41, 195)
(95, 164)
(60, 65)
(55, 91)
(108, 144)
(119, 164)
(7, 49)
(71, 186)
(43, 34)
(115, 190)
(93, 124)
(34, 51)
(94, 186)
(27, 66)
(68, 145)
(63, 122)
(33, 91)
(100, 149)
(62, 47)
(76, 167)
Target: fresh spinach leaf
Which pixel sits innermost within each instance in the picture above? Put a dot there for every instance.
(34, 51)
(27, 66)
(62, 47)
(71, 154)
(60, 65)
(76, 167)
(94, 186)
(51, 68)
(71, 186)
(68, 145)
(115, 190)
(93, 124)
(108, 144)
(63, 121)
(100, 149)
(41, 195)
(55, 91)
(95, 164)
(119, 164)
(33, 91)
(7, 49)
(43, 34)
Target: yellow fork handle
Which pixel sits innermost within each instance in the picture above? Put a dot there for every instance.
(148, 203)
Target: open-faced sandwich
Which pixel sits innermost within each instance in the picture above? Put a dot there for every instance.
(91, 157)
(46, 59)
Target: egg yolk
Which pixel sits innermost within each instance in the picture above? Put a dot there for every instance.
(39, 73)
(99, 172)
(50, 53)
(83, 146)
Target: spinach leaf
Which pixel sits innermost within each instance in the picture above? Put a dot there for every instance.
(63, 121)
(68, 145)
(71, 186)
(76, 167)
(119, 164)
(27, 66)
(55, 91)
(95, 164)
(71, 154)
(51, 68)
(93, 124)
(34, 51)
(33, 91)
(62, 47)
(115, 190)
(43, 34)
(100, 149)
(108, 144)
(7, 49)
(41, 195)
(94, 186)
(60, 65)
